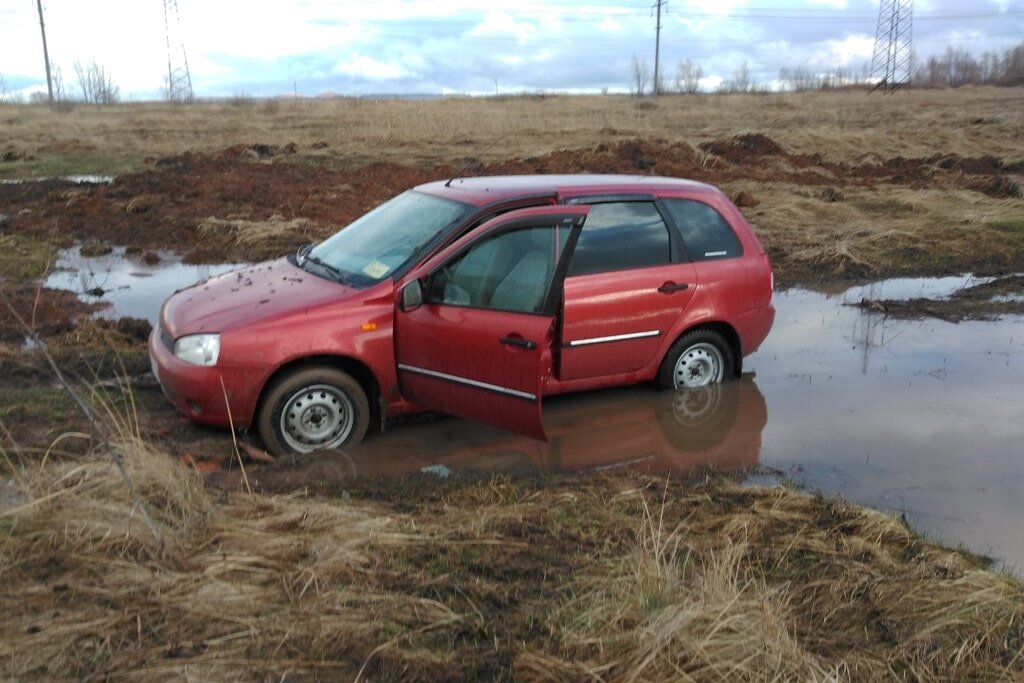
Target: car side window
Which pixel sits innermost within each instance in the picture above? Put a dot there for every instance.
(705, 233)
(511, 271)
(620, 236)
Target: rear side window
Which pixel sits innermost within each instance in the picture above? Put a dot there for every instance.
(620, 236)
(705, 233)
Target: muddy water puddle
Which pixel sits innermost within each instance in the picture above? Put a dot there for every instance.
(921, 418)
(925, 418)
(128, 284)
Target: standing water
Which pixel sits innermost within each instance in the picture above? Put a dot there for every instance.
(924, 418)
(131, 287)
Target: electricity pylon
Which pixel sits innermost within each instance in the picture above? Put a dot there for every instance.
(891, 63)
(179, 80)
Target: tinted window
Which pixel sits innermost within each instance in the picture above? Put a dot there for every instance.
(705, 233)
(618, 236)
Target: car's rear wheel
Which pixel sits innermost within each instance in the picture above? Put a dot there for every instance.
(312, 409)
(697, 359)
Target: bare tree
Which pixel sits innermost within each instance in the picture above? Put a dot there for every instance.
(688, 75)
(96, 84)
(641, 76)
(57, 80)
(741, 81)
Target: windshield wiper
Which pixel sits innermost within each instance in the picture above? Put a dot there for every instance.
(304, 255)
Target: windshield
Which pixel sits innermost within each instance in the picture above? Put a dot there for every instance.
(376, 245)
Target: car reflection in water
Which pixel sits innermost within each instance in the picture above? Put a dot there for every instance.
(636, 428)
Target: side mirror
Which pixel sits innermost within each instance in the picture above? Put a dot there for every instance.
(412, 296)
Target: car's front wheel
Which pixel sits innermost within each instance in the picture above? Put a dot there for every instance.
(697, 359)
(313, 409)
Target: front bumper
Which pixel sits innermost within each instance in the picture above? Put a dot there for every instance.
(202, 393)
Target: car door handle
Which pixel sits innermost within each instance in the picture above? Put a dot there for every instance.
(670, 287)
(518, 341)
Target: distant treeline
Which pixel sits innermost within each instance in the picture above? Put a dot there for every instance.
(954, 68)
(958, 67)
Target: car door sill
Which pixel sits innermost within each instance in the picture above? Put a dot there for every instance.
(515, 393)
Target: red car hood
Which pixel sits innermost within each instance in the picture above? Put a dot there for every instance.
(245, 296)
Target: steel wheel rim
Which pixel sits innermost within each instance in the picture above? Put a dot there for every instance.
(315, 417)
(698, 366)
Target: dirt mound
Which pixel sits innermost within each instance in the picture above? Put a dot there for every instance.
(742, 149)
(48, 312)
(628, 156)
(164, 206)
(999, 187)
(745, 200)
(971, 165)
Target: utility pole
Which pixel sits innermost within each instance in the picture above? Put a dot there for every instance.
(657, 43)
(46, 53)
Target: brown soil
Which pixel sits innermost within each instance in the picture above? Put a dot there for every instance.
(162, 208)
(201, 203)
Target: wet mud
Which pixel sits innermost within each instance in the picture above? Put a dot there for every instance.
(869, 393)
(167, 206)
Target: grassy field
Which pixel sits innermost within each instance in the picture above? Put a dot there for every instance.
(844, 126)
(837, 185)
(614, 578)
(116, 562)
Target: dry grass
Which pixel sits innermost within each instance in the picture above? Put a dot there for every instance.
(256, 239)
(785, 588)
(846, 126)
(614, 578)
(884, 232)
(242, 585)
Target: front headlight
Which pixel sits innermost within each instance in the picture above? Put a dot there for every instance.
(198, 349)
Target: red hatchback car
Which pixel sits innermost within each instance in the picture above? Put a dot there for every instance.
(474, 297)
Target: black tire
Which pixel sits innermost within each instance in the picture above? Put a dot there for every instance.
(699, 357)
(326, 408)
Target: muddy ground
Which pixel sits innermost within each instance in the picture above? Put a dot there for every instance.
(256, 201)
(193, 202)
(480, 578)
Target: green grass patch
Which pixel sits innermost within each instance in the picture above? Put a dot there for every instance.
(23, 258)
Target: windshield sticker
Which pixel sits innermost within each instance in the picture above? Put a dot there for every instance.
(376, 269)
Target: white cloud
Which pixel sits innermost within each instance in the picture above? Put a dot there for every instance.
(367, 67)
(502, 24)
(426, 46)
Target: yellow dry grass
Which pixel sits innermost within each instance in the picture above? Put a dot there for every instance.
(844, 126)
(257, 239)
(612, 578)
(783, 587)
(884, 232)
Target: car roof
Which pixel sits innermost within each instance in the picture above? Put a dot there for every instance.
(484, 190)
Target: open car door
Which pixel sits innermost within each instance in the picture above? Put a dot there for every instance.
(475, 324)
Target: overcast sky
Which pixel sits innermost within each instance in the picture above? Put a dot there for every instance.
(355, 47)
